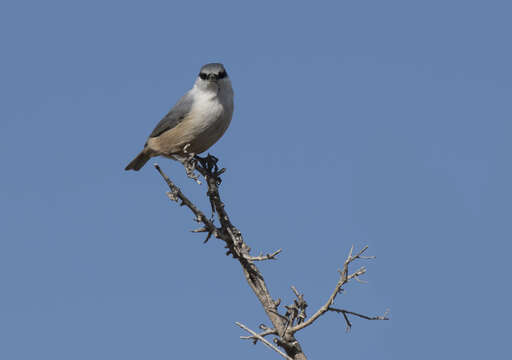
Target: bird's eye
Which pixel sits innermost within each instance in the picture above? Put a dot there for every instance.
(203, 76)
(222, 75)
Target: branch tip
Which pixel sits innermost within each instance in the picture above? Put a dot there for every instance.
(264, 341)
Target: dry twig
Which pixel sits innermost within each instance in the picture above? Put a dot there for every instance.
(262, 257)
(264, 341)
(266, 331)
(345, 314)
(344, 278)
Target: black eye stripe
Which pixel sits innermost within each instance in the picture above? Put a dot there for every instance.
(220, 75)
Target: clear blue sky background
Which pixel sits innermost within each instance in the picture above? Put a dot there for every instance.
(386, 123)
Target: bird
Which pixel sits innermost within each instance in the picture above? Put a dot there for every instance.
(195, 122)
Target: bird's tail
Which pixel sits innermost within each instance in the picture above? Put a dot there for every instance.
(139, 161)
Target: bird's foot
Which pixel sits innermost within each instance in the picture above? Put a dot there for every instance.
(209, 164)
(190, 163)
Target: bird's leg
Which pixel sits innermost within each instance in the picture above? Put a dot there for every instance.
(189, 162)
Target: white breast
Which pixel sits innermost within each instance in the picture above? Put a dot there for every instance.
(210, 117)
(206, 110)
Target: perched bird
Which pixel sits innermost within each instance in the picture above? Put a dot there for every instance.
(195, 123)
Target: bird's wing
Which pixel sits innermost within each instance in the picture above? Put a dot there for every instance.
(174, 116)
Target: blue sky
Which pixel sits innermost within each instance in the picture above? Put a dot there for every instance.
(380, 123)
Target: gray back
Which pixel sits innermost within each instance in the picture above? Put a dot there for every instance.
(174, 116)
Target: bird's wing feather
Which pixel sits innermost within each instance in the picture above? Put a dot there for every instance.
(174, 116)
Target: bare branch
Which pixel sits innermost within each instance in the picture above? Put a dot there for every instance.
(236, 246)
(347, 312)
(349, 324)
(262, 334)
(264, 341)
(175, 194)
(344, 278)
(262, 257)
(284, 326)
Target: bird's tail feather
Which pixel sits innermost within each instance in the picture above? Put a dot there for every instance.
(139, 161)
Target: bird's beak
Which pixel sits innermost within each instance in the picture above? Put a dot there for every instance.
(212, 77)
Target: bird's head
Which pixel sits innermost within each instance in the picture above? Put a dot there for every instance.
(212, 76)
